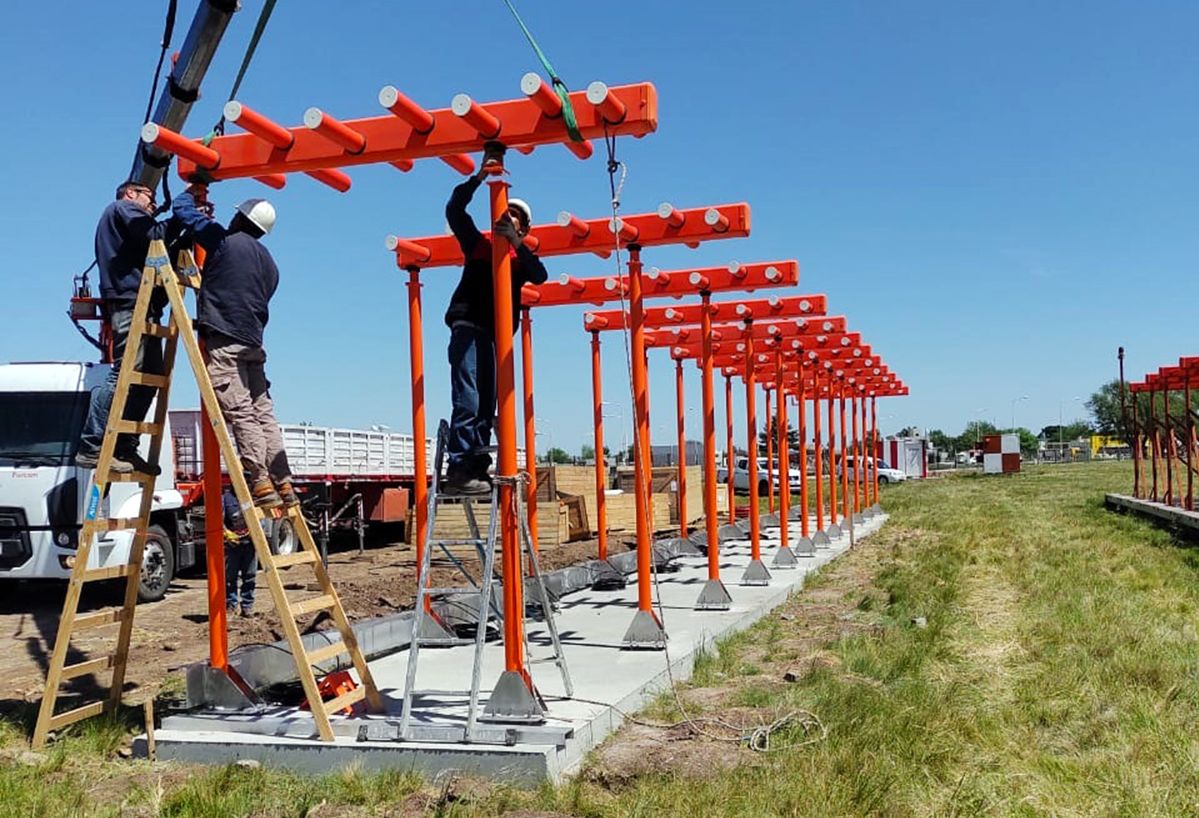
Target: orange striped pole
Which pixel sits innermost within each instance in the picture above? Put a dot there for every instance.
(682, 458)
(601, 469)
(526, 370)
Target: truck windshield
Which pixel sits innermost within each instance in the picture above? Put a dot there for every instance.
(41, 428)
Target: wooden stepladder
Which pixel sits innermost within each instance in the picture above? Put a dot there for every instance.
(158, 273)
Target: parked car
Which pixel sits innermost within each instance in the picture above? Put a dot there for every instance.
(886, 474)
(741, 475)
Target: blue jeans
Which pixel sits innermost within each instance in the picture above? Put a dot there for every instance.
(149, 359)
(240, 563)
(472, 393)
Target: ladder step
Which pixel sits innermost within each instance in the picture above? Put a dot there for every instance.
(113, 572)
(315, 657)
(148, 379)
(130, 477)
(130, 427)
(450, 591)
(345, 700)
(159, 330)
(78, 714)
(97, 619)
(465, 541)
(318, 603)
(294, 558)
(115, 524)
(85, 668)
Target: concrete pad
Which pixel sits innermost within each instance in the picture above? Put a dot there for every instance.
(609, 682)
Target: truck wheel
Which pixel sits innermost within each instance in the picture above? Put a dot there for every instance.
(158, 565)
(763, 488)
(883, 480)
(285, 540)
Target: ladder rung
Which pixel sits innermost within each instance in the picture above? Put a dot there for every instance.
(450, 591)
(130, 477)
(345, 700)
(78, 714)
(452, 543)
(84, 668)
(315, 657)
(318, 603)
(295, 558)
(100, 574)
(115, 524)
(130, 427)
(159, 330)
(98, 619)
(148, 379)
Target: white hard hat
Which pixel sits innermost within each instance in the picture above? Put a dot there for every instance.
(523, 207)
(260, 212)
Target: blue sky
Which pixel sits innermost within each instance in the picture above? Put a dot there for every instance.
(982, 188)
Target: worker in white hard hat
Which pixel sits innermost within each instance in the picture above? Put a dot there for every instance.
(239, 279)
(471, 320)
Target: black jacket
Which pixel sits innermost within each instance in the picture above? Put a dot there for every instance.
(122, 241)
(239, 277)
(473, 299)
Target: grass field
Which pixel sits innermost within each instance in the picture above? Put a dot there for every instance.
(1004, 646)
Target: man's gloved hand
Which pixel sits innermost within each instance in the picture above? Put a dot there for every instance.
(506, 228)
(199, 192)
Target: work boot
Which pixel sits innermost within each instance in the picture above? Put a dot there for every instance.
(264, 494)
(460, 479)
(85, 460)
(288, 494)
(140, 464)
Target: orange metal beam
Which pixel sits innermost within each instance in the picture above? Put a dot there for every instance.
(661, 283)
(409, 132)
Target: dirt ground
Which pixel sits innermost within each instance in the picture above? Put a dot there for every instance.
(173, 632)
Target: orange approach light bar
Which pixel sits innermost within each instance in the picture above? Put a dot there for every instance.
(408, 132)
(721, 312)
(660, 283)
(726, 336)
(567, 236)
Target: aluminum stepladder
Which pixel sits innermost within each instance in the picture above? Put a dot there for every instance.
(158, 273)
(428, 628)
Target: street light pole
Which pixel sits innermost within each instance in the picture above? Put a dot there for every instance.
(1014, 402)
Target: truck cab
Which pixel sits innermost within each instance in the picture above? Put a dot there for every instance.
(44, 495)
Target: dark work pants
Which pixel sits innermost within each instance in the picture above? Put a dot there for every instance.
(149, 359)
(241, 563)
(472, 393)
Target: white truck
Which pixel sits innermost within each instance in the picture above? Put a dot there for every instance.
(347, 478)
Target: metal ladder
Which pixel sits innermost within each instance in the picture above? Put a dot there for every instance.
(158, 273)
(430, 630)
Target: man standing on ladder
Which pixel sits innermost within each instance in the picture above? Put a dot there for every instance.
(239, 279)
(122, 242)
(471, 321)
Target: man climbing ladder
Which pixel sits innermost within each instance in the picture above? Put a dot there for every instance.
(159, 276)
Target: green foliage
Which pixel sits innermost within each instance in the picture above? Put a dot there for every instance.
(557, 455)
(587, 452)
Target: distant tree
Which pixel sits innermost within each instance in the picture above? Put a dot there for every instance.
(909, 431)
(973, 434)
(1068, 431)
(769, 433)
(942, 441)
(1104, 406)
(556, 455)
(1029, 443)
(587, 452)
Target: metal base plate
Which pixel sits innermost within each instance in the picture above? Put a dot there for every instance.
(821, 540)
(714, 597)
(858, 519)
(433, 634)
(795, 514)
(743, 526)
(806, 547)
(755, 574)
(512, 702)
(768, 520)
(220, 690)
(876, 508)
(699, 539)
(645, 633)
(784, 558)
(833, 531)
(729, 532)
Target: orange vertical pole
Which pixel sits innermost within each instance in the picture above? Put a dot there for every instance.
(832, 456)
(769, 456)
(601, 469)
(755, 572)
(646, 629)
(780, 423)
(801, 398)
(858, 459)
(819, 467)
(416, 356)
(874, 442)
(714, 595)
(506, 467)
(214, 545)
(682, 458)
(1169, 450)
(1190, 432)
(526, 371)
(729, 457)
(845, 498)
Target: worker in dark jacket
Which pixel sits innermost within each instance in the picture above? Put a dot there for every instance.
(239, 278)
(471, 320)
(122, 242)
